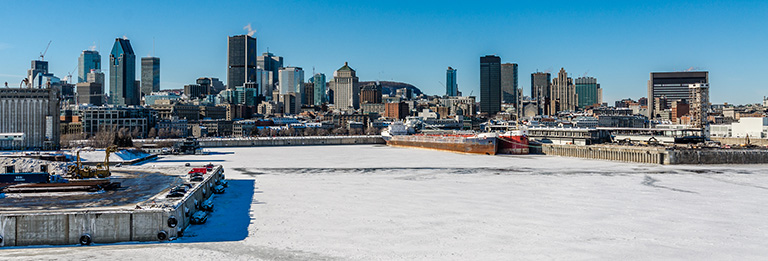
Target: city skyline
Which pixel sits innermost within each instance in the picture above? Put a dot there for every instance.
(618, 43)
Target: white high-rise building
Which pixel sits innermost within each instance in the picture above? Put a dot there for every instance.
(291, 79)
(346, 90)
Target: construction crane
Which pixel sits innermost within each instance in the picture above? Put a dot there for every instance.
(42, 54)
(69, 76)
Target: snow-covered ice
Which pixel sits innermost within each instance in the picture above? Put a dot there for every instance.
(372, 202)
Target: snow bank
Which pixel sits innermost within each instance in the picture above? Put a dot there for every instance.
(99, 155)
(33, 165)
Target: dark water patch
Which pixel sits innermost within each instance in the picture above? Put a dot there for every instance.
(651, 182)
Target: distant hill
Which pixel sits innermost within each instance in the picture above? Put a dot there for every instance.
(390, 88)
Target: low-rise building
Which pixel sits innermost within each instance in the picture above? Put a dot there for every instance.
(396, 110)
(167, 109)
(754, 127)
(112, 118)
(172, 128)
(213, 112)
(218, 128)
(622, 121)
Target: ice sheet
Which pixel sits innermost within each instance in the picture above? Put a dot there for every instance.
(371, 202)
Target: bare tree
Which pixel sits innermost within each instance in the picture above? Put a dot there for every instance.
(163, 133)
(264, 132)
(70, 140)
(340, 131)
(372, 131)
(104, 137)
(309, 131)
(152, 133)
(136, 133)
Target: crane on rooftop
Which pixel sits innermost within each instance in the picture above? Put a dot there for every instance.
(42, 54)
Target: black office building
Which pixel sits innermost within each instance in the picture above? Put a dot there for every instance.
(673, 86)
(241, 60)
(490, 84)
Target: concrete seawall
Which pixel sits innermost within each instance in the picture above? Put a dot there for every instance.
(739, 141)
(731, 156)
(616, 153)
(657, 155)
(105, 225)
(291, 141)
(281, 141)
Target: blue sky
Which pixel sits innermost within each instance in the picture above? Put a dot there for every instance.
(618, 42)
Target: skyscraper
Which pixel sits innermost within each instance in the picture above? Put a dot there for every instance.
(563, 93)
(95, 76)
(241, 60)
(672, 86)
(451, 87)
(346, 90)
(540, 91)
(90, 93)
(319, 81)
(587, 91)
(490, 84)
(270, 63)
(291, 79)
(308, 93)
(89, 60)
(39, 69)
(509, 83)
(150, 75)
(122, 74)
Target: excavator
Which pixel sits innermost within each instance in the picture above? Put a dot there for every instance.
(83, 172)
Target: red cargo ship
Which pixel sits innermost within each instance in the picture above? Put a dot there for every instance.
(513, 142)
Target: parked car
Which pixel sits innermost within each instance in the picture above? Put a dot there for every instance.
(207, 204)
(223, 183)
(197, 177)
(199, 217)
(218, 189)
(181, 188)
(175, 194)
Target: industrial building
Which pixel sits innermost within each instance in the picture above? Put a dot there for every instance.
(32, 112)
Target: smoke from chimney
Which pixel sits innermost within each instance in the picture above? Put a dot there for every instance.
(250, 29)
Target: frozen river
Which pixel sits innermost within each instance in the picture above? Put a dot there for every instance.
(372, 202)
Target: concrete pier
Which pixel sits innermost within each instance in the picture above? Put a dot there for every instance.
(617, 153)
(659, 155)
(291, 141)
(106, 225)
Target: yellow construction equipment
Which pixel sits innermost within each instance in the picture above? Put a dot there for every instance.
(83, 172)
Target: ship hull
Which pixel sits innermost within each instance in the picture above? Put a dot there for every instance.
(481, 146)
(513, 144)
